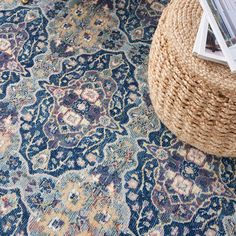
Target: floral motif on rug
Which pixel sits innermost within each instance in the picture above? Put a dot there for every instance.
(81, 150)
(23, 36)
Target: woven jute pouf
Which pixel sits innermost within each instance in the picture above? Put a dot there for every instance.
(194, 98)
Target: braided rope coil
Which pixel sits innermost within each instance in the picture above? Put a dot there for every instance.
(194, 98)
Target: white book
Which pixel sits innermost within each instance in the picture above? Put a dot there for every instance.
(221, 15)
(206, 45)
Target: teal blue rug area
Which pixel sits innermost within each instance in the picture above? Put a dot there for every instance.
(81, 149)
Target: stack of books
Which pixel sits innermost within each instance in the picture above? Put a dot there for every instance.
(216, 37)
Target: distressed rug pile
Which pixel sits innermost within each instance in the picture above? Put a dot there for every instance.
(81, 149)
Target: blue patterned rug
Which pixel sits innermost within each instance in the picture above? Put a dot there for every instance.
(81, 149)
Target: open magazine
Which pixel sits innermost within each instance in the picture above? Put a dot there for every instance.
(216, 38)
